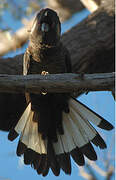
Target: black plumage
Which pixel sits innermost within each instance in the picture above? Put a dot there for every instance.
(65, 162)
(21, 148)
(89, 151)
(78, 156)
(54, 126)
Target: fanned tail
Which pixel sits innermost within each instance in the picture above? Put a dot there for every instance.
(37, 152)
(79, 134)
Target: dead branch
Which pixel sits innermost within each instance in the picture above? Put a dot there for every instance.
(56, 83)
(91, 5)
(11, 42)
(107, 174)
(92, 166)
(85, 175)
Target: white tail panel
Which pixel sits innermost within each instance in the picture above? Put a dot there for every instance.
(85, 127)
(58, 146)
(31, 138)
(21, 123)
(25, 133)
(74, 133)
(77, 131)
(85, 112)
(67, 139)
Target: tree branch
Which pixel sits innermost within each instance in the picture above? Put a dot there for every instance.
(91, 5)
(107, 174)
(91, 43)
(86, 175)
(11, 42)
(56, 83)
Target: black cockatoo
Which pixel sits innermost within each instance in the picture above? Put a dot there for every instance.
(54, 126)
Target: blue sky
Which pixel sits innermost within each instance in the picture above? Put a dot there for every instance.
(11, 167)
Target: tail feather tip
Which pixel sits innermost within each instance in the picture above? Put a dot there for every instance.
(105, 125)
(12, 135)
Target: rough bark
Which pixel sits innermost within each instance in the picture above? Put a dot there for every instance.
(60, 83)
(91, 43)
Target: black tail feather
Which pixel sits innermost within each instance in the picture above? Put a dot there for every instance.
(52, 159)
(29, 156)
(21, 148)
(65, 162)
(77, 156)
(41, 164)
(46, 168)
(12, 135)
(89, 151)
(98, 141)
(105, 125)
(36, 162)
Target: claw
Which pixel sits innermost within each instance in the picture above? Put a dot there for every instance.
(44, 92)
